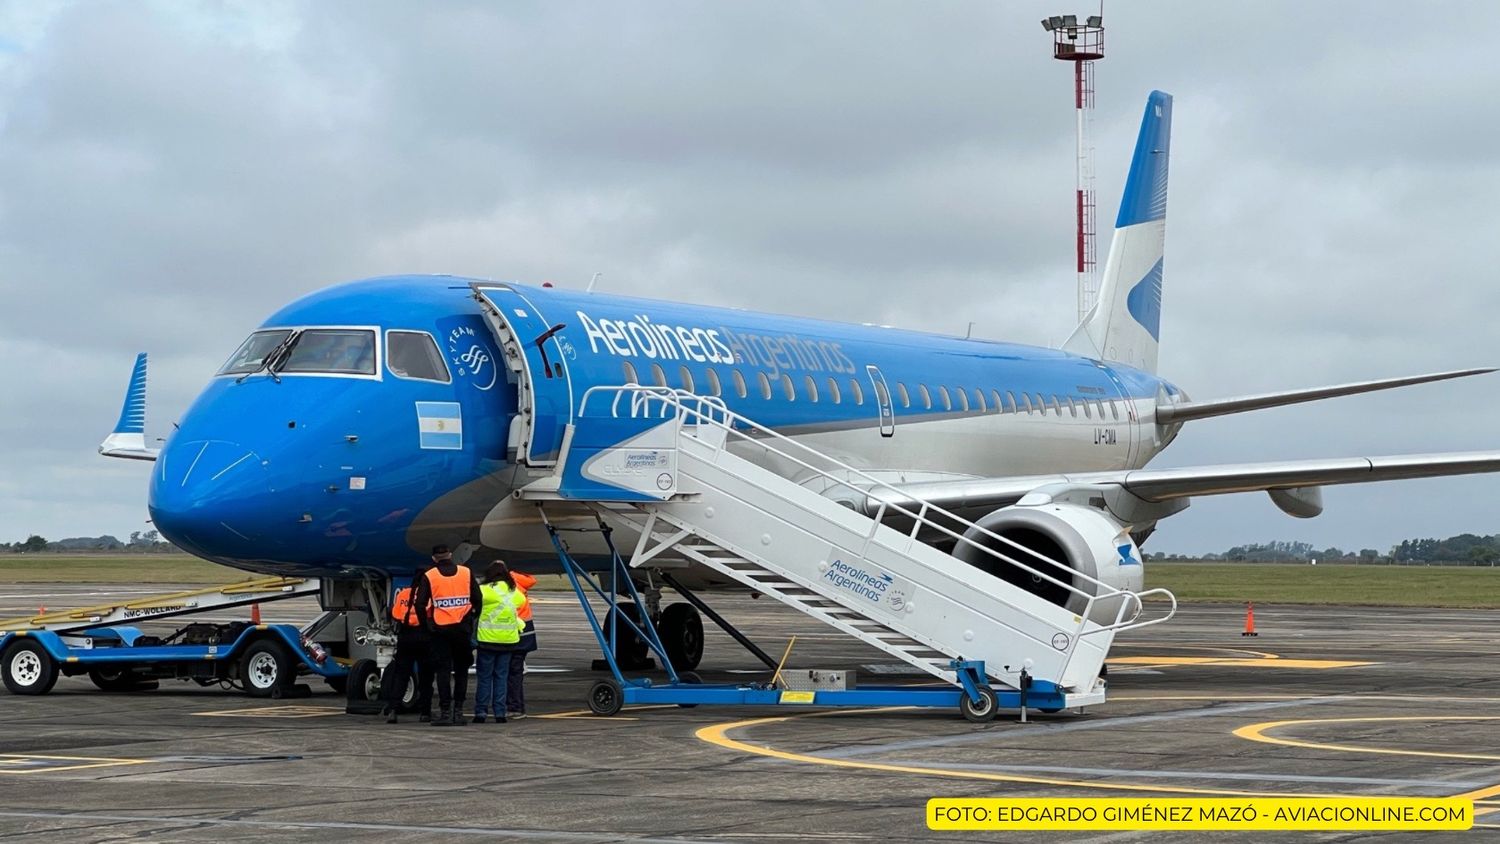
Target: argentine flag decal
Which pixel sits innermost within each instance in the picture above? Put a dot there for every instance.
(440, 425)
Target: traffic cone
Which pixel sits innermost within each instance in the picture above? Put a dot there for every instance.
(1250, 620)
(255, 613)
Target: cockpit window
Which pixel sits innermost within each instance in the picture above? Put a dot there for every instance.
(339, 351)
(251, 355)
(414, 354)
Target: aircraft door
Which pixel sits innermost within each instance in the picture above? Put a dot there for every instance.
(544, 405)
(882, 401)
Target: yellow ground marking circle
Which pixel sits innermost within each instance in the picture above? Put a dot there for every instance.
(718, 734)
(1257, 732)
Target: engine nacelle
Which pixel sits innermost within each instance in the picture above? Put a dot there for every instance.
(1087, 544)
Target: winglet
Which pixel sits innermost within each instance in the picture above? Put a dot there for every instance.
(128, 440)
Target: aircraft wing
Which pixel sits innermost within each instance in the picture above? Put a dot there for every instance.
(128, 439)
(1290, 478)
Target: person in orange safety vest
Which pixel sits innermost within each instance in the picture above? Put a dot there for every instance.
(515, 695)
(447, 602)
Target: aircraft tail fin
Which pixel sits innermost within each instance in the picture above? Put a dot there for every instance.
(1124, 325)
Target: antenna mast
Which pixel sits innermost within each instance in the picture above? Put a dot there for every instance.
(1082, 44)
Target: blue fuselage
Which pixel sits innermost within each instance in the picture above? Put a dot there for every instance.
(322, 472)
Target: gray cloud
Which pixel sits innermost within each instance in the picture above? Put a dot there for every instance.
(170, 174)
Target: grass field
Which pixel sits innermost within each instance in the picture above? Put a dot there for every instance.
(1376, 586)
(1390, 586)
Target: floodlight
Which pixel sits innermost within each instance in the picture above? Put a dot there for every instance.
(1047, 24)
(1096, 20)
(1055, 20)
(1070, 20)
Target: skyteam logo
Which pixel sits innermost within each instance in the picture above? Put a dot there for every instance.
(469, 353)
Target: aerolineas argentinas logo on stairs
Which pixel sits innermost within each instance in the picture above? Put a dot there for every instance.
(878, 587)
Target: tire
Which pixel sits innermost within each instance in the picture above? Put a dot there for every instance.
(681, 631)
(630, 649)
(983, 711)
(606, 698)
(266, 669)
(362, 685)
(28, 669)
(119, 678)
(688, 678)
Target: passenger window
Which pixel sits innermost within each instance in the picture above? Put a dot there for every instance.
(786, 387)
(765, 385)
(833, 391)
(1010, 402)
(1114, 410)
(857, 391)
(963, 398)
(1041, 404)
(687, 378)
(739, 384)
(630, 377)
(415, 355)
(979, 400)
(714, 387)
(995, 401)
(926, 396)
(947, 399)
(333, 351)
(1088, 412)
(882, 395)
(809, 384)
(1056, 405)
(1026, 400)
(251, 355)
(905, 396)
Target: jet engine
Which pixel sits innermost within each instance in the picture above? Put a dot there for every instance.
(1079, 546)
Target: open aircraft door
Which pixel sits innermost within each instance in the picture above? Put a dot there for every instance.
(528, 342)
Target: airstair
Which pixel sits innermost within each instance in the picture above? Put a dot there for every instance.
(254, 591)
(688, 477)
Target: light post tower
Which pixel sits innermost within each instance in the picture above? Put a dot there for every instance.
(1082, 44)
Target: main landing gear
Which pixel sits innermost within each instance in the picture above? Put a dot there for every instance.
(679, 626)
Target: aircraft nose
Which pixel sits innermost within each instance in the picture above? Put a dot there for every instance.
(204, 494)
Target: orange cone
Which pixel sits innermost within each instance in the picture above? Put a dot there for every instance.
(1250, 620)
(255, 613)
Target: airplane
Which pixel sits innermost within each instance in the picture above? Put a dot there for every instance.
(361, 425)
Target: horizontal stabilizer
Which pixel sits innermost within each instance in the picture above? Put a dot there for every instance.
(128, 439)
(1187, 411)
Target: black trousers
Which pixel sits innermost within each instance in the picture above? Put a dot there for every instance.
(515, 690)
(412, 645)
(452, 652)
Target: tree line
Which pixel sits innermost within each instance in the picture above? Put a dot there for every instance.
(1464, 548)
(140, 542)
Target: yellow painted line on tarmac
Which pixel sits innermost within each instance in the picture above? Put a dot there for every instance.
(1271, 661)
(579, 713)
(84, 762)
(1257, 732)
(718, 734)
(1480, 794)
(283, 711)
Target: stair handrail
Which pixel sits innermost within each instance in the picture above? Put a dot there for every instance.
(721, 416)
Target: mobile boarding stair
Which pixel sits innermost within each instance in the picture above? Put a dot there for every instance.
(658, 463)
(103, 642)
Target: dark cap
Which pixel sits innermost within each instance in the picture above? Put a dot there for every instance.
(440, 550)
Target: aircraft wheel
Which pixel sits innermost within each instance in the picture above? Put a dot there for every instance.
(266, 669)
(28, 669)
(690, 679)
(363, 683)
(681, 631)
(606, 698)
(630, 649)
(980, 712)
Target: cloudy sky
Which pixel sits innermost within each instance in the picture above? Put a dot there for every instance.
(171, 173)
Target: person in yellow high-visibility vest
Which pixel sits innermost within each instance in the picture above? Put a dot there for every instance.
(497, 637)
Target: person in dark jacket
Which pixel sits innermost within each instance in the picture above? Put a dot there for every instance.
(447, 598)
(410, 661)
(515, 692)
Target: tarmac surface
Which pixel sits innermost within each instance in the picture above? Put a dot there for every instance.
(1325, 701)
